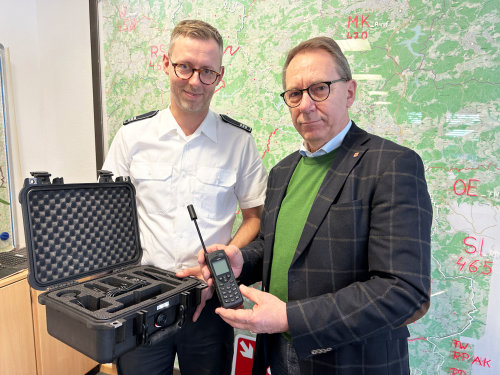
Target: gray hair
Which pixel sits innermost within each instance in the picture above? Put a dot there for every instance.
(324, 43)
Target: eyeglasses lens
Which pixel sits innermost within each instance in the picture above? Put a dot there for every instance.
(207, 76)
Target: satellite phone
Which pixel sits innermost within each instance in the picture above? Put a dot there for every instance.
(225, 283)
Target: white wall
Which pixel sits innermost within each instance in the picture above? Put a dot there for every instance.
(51, 85)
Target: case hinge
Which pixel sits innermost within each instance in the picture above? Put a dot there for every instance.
(62, 286)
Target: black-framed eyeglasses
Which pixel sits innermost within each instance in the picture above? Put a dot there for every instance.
(317, 92)
(186, 71)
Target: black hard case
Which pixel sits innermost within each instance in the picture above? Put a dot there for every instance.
(89, 232)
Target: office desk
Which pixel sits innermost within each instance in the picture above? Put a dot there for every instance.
(25, 345)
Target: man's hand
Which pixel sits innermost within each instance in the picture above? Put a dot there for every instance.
(233, 254)
(268, 315)
(206, 293)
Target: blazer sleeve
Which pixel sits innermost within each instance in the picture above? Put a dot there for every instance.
(252, 261)
(395, 282)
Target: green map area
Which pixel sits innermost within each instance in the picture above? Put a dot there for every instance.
(428, 78)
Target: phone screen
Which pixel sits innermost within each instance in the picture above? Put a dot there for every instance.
(220, 267)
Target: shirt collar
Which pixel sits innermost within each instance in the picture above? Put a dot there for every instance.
(331, 145)
(208, 126)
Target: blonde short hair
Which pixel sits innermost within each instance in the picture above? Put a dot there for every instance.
(196, 29)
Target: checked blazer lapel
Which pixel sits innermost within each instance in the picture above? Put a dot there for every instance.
(348, 155)
(283, 175)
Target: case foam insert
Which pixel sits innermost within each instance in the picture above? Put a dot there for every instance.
(76, 232)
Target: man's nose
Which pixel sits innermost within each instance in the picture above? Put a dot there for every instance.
(306, 103)
(195, 78)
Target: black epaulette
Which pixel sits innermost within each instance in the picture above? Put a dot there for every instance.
(233, 122)
(140, 117)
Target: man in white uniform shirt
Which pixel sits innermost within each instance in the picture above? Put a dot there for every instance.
(187, 154)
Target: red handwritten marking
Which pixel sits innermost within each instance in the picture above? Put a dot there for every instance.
(364, 35)
(355, 21)
(484, 167)
(154, 49)
(155, 66)
(484, 363)
(155, 52)
(472, 246)
(418, 338)
(223, 84)
(457, 343)
(251, 7)
(129, 24)
(231, 52)
(363, 20)
(264, 154)
(473, 268)
(132, 23)
(268, 142)
(356, 35)
(466, 188)
(460, 356)
(122, 13)
(3, 179)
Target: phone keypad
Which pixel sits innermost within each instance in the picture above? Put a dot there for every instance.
(228, 288)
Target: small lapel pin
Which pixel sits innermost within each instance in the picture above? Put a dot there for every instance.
(355, 155)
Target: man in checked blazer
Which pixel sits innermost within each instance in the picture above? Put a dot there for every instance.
(343, 251)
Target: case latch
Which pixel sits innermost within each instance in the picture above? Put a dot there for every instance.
(39, 178)
(104, 176)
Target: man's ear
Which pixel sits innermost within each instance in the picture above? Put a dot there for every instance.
(351, 92)
(165, 63)
(221, 75)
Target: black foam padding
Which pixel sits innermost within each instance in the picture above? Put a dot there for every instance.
(80, 231)
(98, 305)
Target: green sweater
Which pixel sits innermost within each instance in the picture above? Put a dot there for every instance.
(300, 194)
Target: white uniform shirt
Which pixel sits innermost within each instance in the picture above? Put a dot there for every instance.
(213, 169)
